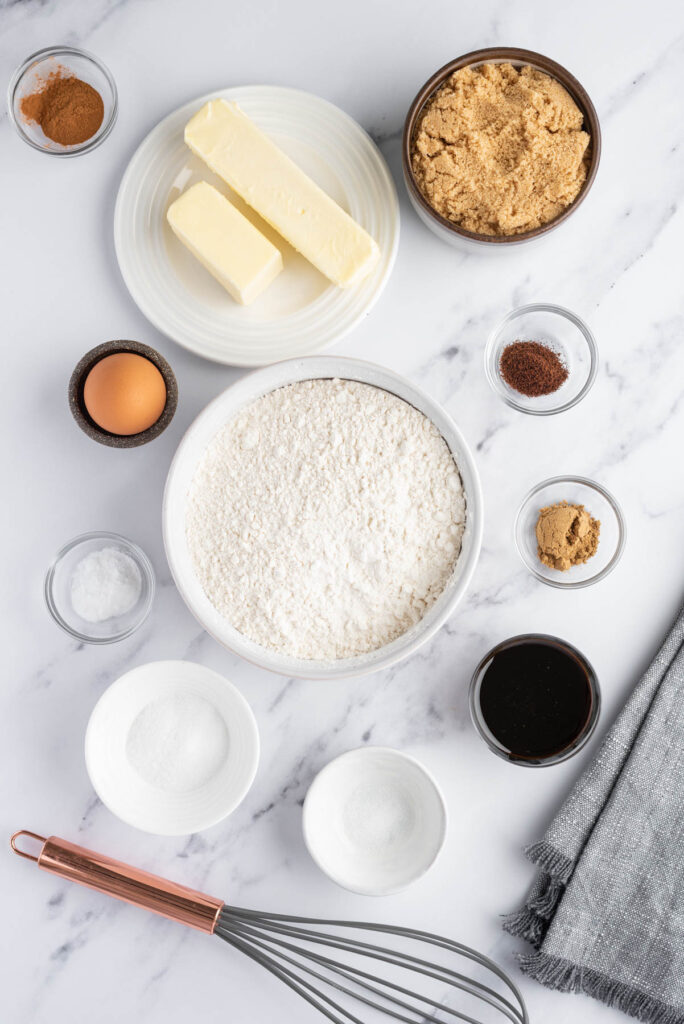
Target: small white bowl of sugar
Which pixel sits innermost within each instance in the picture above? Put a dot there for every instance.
(374, 820)
(172, 747)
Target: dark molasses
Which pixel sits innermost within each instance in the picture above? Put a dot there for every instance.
(536, 699)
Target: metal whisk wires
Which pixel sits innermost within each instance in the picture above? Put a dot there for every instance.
(359, 977)
(294, 950)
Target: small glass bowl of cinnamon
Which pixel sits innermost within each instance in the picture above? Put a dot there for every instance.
(62, 101)
(541, 359)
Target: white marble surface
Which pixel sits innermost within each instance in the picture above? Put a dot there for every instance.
(70, 955)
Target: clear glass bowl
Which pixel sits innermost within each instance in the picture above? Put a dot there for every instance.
(35, 69)
(576, 490)
(58, 590)
(558, 329)
(493, 743)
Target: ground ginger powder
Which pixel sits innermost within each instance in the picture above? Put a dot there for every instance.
(566, 535)
(500, 150)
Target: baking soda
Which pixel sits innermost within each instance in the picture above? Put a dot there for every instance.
(378, 817)
(105, 584)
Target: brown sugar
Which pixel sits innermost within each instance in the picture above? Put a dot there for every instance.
(500, 150)
(68, 110)
(566, 535)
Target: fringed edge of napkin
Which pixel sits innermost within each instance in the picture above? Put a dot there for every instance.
(564, 976)
(550, 860)
(532, 920)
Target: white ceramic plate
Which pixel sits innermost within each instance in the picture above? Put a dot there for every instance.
(192, 448)
(130, 796)
(301, 312)
(374, 820)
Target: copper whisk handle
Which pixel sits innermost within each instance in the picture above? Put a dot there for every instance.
(142, 889)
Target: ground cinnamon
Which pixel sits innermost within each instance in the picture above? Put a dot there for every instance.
(532, 369)
(68, 110)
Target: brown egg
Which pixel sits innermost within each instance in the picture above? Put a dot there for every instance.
(124, 393)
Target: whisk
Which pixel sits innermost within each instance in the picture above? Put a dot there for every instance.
(295, 949)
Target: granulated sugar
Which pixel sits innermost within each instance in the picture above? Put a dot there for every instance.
(325, 519)
(177, 743)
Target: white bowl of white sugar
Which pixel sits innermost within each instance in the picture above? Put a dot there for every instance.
(172, 747)
(322, 517)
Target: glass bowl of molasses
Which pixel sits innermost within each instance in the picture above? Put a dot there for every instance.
(541, 359)
(535, 700)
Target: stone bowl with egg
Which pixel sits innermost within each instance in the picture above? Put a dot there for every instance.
(161, 399)
(176, 502)
(449, 230)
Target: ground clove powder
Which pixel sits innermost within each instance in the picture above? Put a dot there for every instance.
(532, 369)
(68, 110)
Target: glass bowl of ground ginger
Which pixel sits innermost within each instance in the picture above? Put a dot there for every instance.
(500, 147)
(569, 532)
(62, 101)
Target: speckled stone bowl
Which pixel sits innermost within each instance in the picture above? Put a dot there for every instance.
(80, 413)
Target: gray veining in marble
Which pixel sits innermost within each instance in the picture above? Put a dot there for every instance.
(69, 955)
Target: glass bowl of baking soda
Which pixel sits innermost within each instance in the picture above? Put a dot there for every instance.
(541, 359)
(99, 588)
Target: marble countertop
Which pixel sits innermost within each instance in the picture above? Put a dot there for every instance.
(70, 955)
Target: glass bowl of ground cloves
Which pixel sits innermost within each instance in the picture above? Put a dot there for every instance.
(62, 101)
(541, 359)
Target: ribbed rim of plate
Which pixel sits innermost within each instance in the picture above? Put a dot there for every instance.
(149, 277)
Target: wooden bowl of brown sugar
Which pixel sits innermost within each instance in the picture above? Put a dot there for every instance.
(477, 222)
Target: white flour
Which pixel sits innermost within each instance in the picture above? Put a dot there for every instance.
(325, 519)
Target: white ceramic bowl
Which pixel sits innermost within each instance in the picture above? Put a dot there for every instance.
(191, 450)
(374, 820)
(164, 809)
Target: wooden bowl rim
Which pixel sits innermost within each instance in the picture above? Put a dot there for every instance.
(500, 55)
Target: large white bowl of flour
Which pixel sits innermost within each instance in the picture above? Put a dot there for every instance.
(264, 517)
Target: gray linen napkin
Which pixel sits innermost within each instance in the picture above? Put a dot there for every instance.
(606, 910)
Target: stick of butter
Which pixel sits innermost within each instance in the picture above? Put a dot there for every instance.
(281, 193)
(224, 241)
